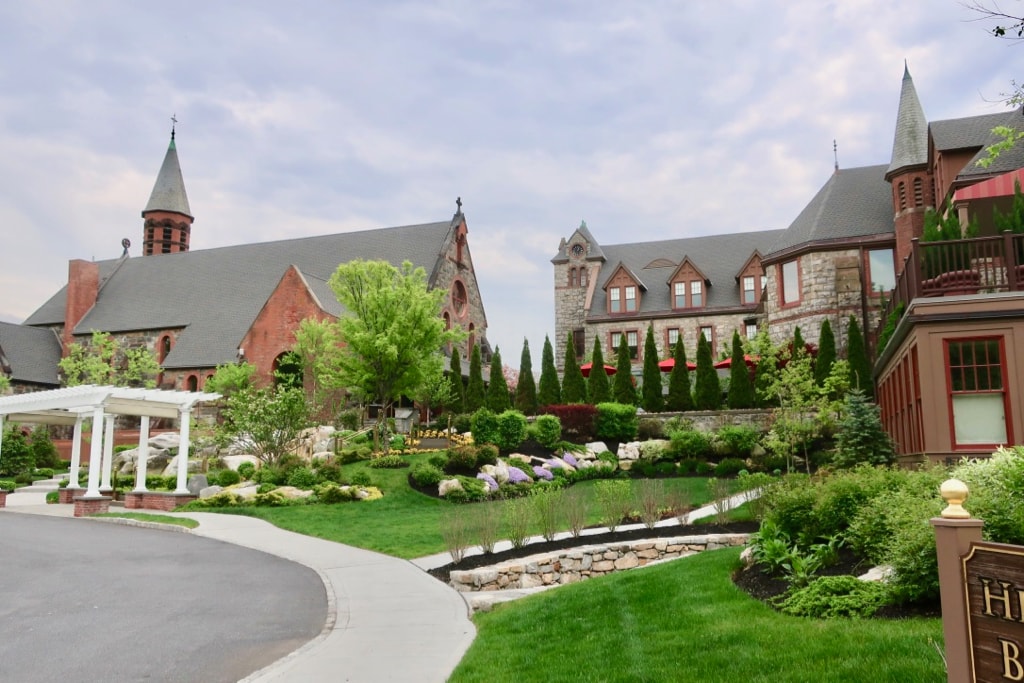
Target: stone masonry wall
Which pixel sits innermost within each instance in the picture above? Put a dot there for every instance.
(573, 565)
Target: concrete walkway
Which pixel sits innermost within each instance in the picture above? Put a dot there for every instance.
(388, 620)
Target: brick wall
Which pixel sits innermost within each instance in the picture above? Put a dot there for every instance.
(83, 286)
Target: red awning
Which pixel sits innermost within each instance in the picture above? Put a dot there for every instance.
(727, 363)
(667, 365)
(585, 369)
(1000, 186)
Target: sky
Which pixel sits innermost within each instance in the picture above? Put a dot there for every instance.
(648, 119)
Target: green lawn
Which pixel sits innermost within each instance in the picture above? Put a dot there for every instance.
(686, 621)
(405, 523)
(147, 517)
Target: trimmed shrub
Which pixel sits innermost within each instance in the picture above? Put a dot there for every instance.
(438, 460)
(246, 470)
(461, 458)
(7, 485)
(426, 474)
(229, 478)
(52, 497)
(44, 453)
(546, 430)
(738, 440)
(462, 423)
(327, 471)
(616, 421)
(729, 467)
(16, 456)
(829, 597)
(361, 479)
(331, 494)
(511, 430)
(485, 427)
(302, 478)
(688, 444)
(486, 454)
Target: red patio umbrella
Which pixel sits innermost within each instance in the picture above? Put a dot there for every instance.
(668, 364)
(585, 369)
(751, 361)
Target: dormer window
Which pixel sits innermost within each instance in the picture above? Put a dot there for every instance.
(615, 300)
(688, 294)
(750, 289)
(696, 293)
(630, 298)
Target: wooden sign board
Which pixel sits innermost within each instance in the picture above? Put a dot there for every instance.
(994, 581)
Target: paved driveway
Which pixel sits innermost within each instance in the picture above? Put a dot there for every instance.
(87, 600)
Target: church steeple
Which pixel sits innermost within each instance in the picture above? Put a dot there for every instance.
(167, 217)
(910, 142)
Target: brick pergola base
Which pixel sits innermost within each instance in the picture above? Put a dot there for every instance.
(91, 506)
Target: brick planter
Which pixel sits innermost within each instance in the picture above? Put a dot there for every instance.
(133, 500)
(164, 501)
(91, 506)
(67, 495)
(3, 499)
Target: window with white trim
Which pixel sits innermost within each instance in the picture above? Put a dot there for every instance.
(614, 300)
(749, 289)
(678, 295)
(630, 298)
(751, 330)
(673, 336)
(696, 293)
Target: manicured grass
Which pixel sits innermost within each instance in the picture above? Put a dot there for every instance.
(685, 621)
(158, 519)
(405, 523)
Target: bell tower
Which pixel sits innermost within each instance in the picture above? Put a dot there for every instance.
(167, 219)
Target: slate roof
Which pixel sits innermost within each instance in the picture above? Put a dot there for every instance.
(169, 189)
(216, 294)
(965, 133)
(855, 202)
(910, 143)
(594, 253)
(1009, 160)
(30, 353)
(719, 257)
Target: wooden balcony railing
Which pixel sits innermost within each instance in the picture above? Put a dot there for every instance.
(978, 265)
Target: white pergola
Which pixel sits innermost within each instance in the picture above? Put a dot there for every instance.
(74, 405)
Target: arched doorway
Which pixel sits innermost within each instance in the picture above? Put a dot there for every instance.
(288, 370)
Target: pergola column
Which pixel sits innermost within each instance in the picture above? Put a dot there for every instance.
(95, 454)
(108, 454)
(184, 418)
(76, 453)
(140, 463)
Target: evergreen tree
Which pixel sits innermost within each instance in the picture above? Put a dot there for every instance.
(679, 396)
(1014, 219)
(458, 402)
(861, 437)
(741, 389)
(652, 401)
(708, 392)
(826, 353)
(497, 399)
(526, 390)
(574, 389)
(857, 355)
(623, 390)
(475, 392)
(799, 345)
(549, 393)
(599, 390)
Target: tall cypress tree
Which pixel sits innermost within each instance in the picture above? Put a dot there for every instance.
(652, 401)
(526, 390)
(574, 389)
(599, 390)
(799, 346)
(708, 392)
(826, 353)
(475, 394)
(741, 389)
(679, 396)
(623, 390)
(549, 393)
(458, 403)
(497, 399)
(857, 355)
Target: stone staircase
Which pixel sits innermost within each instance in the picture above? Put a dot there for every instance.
(44, 485)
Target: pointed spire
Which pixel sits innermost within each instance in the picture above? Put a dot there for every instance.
(910, 142)
(169, 190)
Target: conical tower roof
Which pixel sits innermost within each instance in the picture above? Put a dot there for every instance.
(169, 190)
(910, 144)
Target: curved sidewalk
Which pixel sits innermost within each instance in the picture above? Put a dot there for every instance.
(388, 620)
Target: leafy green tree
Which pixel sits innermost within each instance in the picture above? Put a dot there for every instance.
(549, 393)
(476, 394)
(574, 389)
(741, 389)
(623, 390)
(861, 437)
(652, 399)
(392, 329)
(435, 390)
(857, 355)
(826, 353)
(318, 350)
(526, 390)
(708, 392)
(230, 378)
(458, 400)
(104, 361)
(5, 384)
(497, 399)
(679, 396)
(44, 453)
(1012, 220)
(269, 421)
(599, 389)
(766, 369)
(796, 396)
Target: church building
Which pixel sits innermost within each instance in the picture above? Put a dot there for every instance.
(198, 309)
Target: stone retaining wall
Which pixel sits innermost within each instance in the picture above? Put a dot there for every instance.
(576, 564)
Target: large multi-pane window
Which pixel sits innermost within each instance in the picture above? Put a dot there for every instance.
(631, 341)
(977, 391)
